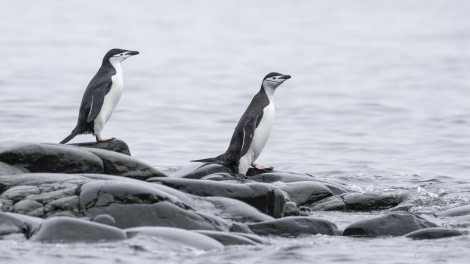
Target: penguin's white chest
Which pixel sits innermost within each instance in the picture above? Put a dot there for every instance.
(110, 100)
(260, 138)
(263, 131)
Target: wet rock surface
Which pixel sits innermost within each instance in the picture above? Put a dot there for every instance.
(266, 198)
(295, 226)
(97, 192)
(392, 224)
(433, 233)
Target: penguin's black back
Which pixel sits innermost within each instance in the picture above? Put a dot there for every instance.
(254, 110)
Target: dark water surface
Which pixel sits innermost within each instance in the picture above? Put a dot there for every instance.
(379, 101)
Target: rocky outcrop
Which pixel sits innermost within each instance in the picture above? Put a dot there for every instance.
(392, 224)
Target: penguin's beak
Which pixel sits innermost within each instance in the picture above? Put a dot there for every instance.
(285, 77)
(132, 53)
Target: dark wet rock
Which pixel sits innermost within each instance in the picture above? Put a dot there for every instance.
(16, 223)
(114, 144)
(102, 193)
(158, 214)
(51, 158)
(287, 177)
(123, 165)
(198, 170)
(294, 226)
(291, 209)
(183, 238)
(228, 239)
(265, 197)
(6, 169)
(67, 229)
(104, 219)
(70, 203)
(29, 207)
(305, 192)
(18, 193)
(40, 194)
(240, 228)
(433, 233)
(456, 211)
(359, 202)
(231, 209)
(392, 224)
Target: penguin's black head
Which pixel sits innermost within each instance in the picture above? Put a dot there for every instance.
(272, 80)
(118, 55)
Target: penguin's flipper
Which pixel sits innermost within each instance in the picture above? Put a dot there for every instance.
(249, 131)
(97, 99)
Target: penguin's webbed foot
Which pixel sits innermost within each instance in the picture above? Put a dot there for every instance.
(261, 167)
(103, 139)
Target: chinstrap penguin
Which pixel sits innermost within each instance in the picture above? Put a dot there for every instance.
(253, 129)
(101, 96)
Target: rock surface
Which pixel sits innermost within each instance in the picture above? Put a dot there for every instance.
(392, 224)
(266, 198)
(68, 229)
(433, 233)
(359, 202)
(115, 145)
(177, 236)
(294, 226)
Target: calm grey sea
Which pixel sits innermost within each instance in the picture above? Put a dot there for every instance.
(378, 100)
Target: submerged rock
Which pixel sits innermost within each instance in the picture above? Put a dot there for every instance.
(359, 202)
(228, 239)
(68, 229)
(16, 223)
(433, 233)
(295, 226)
(456, 211)
(265, 197)
(392, 224)
(177, 236)
(115, 145)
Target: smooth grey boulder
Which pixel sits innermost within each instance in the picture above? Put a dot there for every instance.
(123, 165)
(359, 202)
(101, 193)
(392, 224)
(456, 211)
(294, 226)
(16, 223)
(228, 239)
(114, 144)
(158, 214)
(305, 192)
(6, 169)
(179, 237)
(104, 219)
(51, 158)
(199, 170)
(265, 197)
(68, 229)
(433, 233)
(230, 209)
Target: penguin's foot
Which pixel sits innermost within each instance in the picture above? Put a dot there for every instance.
(261, 167)
(102, 139)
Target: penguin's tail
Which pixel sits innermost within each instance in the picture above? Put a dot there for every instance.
(69, 137)
(209, 161)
